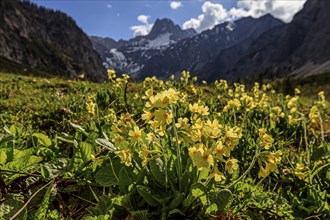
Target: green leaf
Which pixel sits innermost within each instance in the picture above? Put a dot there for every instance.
(176, 211)
(42, 211)
(11, 204)
(78, 127)
(43, 139)
(222, 198)
(162, 198)
(158, 170)
(105, 177)
(197, 191)
(176, 200)
(146, 194)
(140, 215)
(105, 143)
(212, 209)
(86, 151)
(124, 180)
(3, 156)
(15, 130)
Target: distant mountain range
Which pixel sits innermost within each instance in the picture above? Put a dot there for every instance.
(45, 41)
(247, 48)
(132, 55)
(48, 41)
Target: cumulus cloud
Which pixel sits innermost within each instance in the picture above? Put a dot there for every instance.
(284, 10)
(143, 18)
(109, 6)
(175, 5)
(144, 28)
(215, 13)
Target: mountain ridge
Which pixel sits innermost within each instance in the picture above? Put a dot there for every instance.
(47, 41)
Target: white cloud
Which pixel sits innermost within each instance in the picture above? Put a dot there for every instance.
(109, 6)
(143, 18)
(215, 13)
(144, 28)
(284, 10)
(175, 5)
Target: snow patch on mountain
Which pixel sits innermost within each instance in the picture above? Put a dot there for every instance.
(161, 41)
(117, 55)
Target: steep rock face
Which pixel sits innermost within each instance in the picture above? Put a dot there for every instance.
(194, 54)
(131, 56)
(46, 40)
(299, 48)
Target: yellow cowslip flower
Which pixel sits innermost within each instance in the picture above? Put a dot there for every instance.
(144, 153)
(146, 160)
(182, 123)
(292, 102)
(299, 171)
(82, 76)
(172, 77)
(151, 103)
(232, 104)
(193, 108)
(248, 102)
(275, 158)
(196, 135)
(270, 167)
(264, 88)
(296, 92)
(232, 136)
(135, 134)
(91, 107)
(266, 139)
(292, 119)
(230, 92)
(299, 167)
(125, 157)
(314, 114)
(185, 75)
(263, 172)
(264, 101)
(193, 89)
(172, 94)
(200, 109)
(201, 157)
(163, 117)
(161, 130)
(147, 115)
(293, 110)
(195, 78)
(322, 102)
(127, 117)
(111, 74)
(161, 101)
(148, 94)
(217, 175)
(231, 165)
(219, 150)
(151, 137)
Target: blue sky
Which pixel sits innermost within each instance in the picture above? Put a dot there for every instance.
(127, 18)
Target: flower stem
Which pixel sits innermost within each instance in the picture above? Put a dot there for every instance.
(247, 171)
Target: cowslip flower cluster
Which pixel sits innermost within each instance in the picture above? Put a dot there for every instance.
(265, 139)
(273, 159)
(275, 115)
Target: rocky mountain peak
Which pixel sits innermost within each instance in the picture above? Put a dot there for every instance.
(167, 26)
